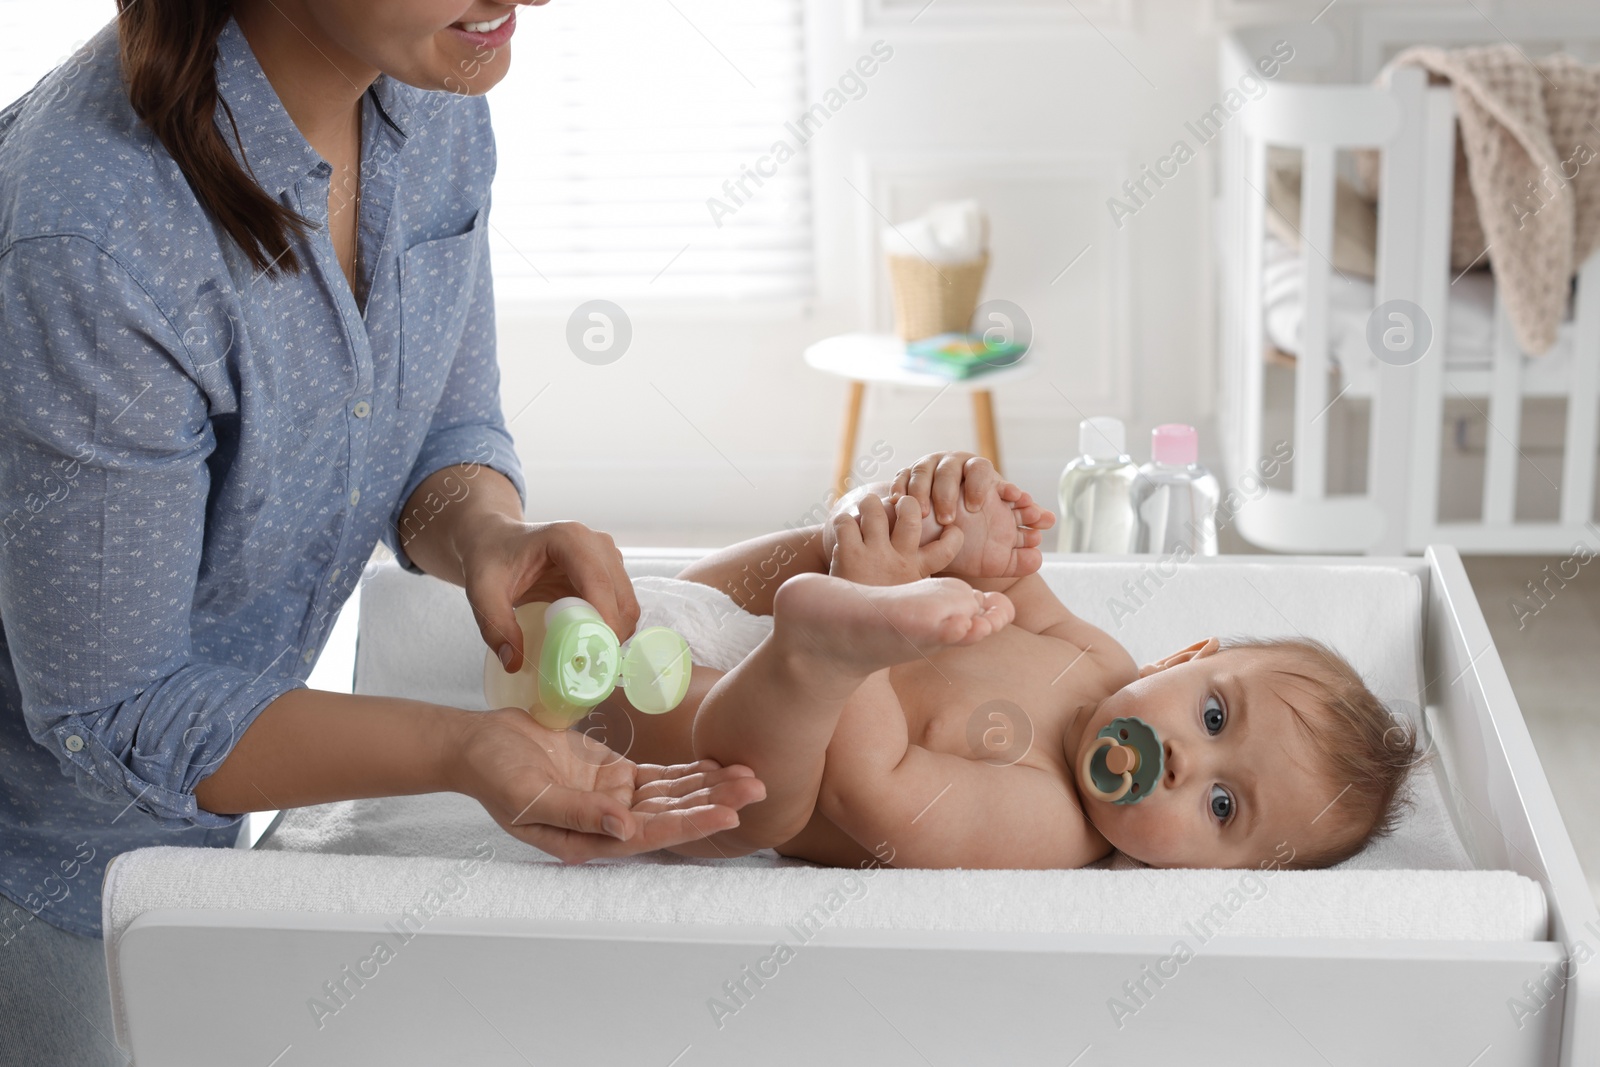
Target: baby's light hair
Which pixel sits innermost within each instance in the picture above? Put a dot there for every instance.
(1367, 751)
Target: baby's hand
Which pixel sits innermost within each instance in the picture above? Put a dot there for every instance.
(865, 551)
(1002, 524)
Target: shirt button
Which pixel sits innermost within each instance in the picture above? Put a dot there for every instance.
(74, 743)
(334, 573)
(355, 496)
(362, 408)
(310, 654)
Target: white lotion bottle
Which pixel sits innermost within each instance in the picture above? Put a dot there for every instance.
(1096, 512)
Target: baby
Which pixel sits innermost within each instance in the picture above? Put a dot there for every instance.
(900, 647)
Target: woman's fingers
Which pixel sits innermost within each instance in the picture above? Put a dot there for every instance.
(669, 805)
(489, 594)
(681, 785)
(655, 832)
(594, 567)
(645, 773)
(733, 793)
(585, 811)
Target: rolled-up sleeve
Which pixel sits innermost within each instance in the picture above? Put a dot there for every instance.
(469, 425)
(103, 494)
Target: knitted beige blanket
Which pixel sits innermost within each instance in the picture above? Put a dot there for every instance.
(1529, 200)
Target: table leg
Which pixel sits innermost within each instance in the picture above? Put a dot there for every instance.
(983, 416)
(847, 439)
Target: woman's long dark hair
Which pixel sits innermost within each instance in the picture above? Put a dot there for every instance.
(169, 54)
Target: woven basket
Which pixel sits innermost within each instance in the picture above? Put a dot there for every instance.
(931, 299)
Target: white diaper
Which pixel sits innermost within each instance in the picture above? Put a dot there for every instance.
(720, 633)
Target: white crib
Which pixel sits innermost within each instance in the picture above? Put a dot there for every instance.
(1398, 508)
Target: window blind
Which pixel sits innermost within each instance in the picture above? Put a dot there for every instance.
(638, 145)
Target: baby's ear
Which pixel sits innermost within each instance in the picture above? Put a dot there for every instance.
(1199, 650)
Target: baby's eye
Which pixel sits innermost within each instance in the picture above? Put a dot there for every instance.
(1221, 803)
(1213, 715)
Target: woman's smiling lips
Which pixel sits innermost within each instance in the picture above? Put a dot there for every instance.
(488, 32)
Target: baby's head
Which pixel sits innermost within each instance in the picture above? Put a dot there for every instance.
(1275, 753)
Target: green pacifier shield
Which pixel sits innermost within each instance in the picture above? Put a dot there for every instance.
(1136, 734)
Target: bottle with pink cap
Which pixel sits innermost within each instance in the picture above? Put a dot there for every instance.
(1174, 498)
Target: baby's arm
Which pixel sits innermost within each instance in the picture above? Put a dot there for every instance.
(935, 809)
(751, 571)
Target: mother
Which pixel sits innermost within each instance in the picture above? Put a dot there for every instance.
(248, 331)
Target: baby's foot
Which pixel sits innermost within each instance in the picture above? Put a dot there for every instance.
(999, 540)
(854, 629)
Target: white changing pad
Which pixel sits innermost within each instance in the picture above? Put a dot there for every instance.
(1469, 334)
(417, 640)
(1421, 905)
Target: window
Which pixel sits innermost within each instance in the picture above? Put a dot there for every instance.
(638, 152)
(637, 143)
(37, 38)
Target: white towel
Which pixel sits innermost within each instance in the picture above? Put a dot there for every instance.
(1426, 905)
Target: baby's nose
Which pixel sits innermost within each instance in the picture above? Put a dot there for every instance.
(1170, 779)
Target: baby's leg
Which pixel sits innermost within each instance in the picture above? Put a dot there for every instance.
(751, 571)
(776, 711)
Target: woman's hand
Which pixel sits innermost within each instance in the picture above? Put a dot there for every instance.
(508, 563)
(561, 791)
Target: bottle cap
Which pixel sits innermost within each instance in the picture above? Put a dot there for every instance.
(656, 667)
(1174, 444)
(582, 662)
(578, 663)
(1102, 437)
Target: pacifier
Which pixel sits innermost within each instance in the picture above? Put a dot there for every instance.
(572, 661)
(1124, 763)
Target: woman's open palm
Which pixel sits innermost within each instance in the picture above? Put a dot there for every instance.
(556, 790)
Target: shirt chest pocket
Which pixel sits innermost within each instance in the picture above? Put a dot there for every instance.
(437, 280)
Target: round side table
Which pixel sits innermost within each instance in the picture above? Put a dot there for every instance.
(861, 358)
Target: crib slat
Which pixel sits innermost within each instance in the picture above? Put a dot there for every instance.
(1505, 419)
(1577, 483)
(1433, 289)
(1311, 362)
(1400, 243)
(1253, 208)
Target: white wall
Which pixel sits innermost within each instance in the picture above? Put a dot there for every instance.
(1041, 114)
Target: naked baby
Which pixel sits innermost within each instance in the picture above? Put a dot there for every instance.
(876, 640)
